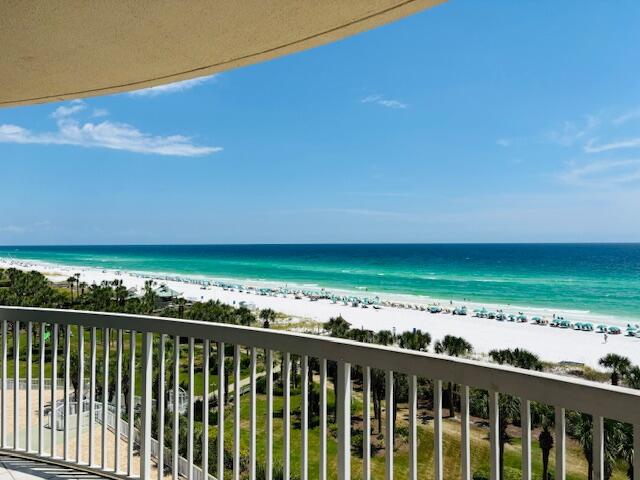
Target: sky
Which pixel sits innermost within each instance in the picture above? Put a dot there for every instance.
(474, 121)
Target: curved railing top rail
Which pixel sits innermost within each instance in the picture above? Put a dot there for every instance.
(617, 403)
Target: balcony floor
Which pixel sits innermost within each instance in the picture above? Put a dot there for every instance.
(12, 468)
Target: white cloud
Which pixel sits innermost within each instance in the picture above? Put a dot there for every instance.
(592, 146)
(106, 134)
(172, 87)
(74, 106)
(627, 117)
(100, 112)
(385, 102)
(571, 132)
(13, 229)
(603, 173)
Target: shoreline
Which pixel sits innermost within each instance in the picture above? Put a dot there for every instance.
(551, 344)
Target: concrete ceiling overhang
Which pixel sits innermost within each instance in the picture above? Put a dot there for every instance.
(57, 50)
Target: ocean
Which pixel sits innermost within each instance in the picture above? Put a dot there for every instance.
(599, 278)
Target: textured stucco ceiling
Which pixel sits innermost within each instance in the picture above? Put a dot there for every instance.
(55, 50)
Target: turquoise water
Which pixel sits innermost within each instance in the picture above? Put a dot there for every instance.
(601, 278)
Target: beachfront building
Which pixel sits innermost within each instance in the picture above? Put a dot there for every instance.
(92, 394)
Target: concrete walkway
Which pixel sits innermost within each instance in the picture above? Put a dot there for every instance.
(12, 468)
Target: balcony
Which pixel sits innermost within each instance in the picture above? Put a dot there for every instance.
(52, 358)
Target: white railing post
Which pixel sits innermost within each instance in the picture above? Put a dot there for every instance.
(560, 443)
(323, 419)
(389, 428)
(92, 395)
(132, 392)
(304, 418)
(16, 382)
(494, 434)
(525, 426)
(343, 410)
(116, 453)
(437, 430)
(29, 384)
(145, 422)
(236, 412)
(105, 393)
(206, 351)
(161, 406)
(269, 420)
(3, 420)
(176, 407)
(252, 416)
(40, 393)
(67, 387)
(413, 429)
(221, 397)
(366, 423)
(54, 387)
(190, 368)
(465, 437)
(80, 394)
(286, 415)
(598, 448)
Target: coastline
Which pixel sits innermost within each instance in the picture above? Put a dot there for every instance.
(551, 344)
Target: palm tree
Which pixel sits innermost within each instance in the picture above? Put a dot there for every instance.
(336, 326)
(517, 358)
(454, 347)
(618, 365)
(267, 316)
(77, 275)
(415, 340)
(384, 337)
(545, 440)
(70, 282)
(632, 377)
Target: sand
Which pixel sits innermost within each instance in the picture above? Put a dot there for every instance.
(551, 344)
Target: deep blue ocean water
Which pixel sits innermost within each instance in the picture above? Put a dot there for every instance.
(601, 278)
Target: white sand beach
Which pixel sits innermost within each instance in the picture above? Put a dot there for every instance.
(551, 344)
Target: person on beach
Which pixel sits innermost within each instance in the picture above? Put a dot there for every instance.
(605, 338)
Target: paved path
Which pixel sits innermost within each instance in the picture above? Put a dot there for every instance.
(12, 468)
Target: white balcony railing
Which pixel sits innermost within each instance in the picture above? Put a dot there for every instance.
(24, 430)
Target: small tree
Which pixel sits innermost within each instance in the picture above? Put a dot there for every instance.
(267, 316)
(337, 327)
(617, 364)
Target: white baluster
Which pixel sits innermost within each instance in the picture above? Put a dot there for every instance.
(560, 443)
(343, 408)
(525, 426)
(437, 429)
(145, 421)
(388, 426)
(465, 440)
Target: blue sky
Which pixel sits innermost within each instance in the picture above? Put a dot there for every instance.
(474, 121)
